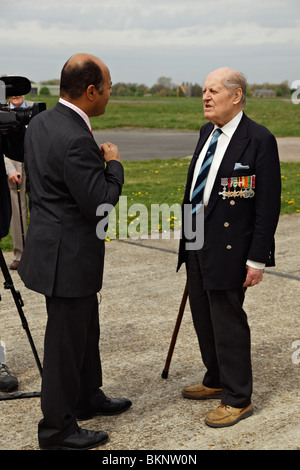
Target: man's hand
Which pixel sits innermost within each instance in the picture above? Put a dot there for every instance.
(254, 276)
(110, 152)
(15, 177)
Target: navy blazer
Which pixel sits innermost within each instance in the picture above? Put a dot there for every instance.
(237, 228)
(68, 180)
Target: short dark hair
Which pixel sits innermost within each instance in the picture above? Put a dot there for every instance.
(75, 79)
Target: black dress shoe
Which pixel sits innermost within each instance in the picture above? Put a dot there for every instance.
(109, 407)
(82, 439)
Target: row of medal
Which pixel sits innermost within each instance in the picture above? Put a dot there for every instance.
(238, 186)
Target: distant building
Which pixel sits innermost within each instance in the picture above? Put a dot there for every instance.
(264, 93)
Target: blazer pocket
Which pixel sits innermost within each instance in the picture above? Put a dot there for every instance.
(241, 166)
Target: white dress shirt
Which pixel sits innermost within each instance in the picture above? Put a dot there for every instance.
(223, 142)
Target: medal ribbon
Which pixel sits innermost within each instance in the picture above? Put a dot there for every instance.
(241, 181)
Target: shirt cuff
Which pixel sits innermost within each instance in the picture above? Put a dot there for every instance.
(255, 264)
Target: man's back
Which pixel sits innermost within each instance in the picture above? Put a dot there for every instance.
(67, 182)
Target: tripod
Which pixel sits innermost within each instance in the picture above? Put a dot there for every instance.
(8, 284)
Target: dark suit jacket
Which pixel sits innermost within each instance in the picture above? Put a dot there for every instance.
(68, 181)
(243, 229)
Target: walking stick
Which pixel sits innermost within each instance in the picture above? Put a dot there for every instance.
(175, 333)
(20, 210)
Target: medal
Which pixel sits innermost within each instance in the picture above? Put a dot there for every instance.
(224, 183)
(252, 185)
(238, 186)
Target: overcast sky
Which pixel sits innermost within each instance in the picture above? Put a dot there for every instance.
(141, 40)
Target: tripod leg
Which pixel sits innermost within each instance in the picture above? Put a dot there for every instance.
(175, 333)
(19, 304)
(18, 395)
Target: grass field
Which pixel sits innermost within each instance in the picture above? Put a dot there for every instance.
(148, 183)
(280, 115)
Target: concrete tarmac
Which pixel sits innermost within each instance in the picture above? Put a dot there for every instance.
(141, 295)
(148, 144)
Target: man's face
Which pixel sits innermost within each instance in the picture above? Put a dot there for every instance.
(103, 98)
(16, 101)
(218, 105)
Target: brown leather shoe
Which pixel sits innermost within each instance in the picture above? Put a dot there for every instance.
(14, 266)
(226, 415)
(200, 392)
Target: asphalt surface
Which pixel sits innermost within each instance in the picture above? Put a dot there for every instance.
(146, 144)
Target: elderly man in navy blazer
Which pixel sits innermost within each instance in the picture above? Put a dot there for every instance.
(236, 185)
(69, 177)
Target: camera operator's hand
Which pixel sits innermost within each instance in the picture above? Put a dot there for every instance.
(15, 177)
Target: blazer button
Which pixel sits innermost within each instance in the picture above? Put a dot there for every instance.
(226, 224)
(228, 247)
(232, 202)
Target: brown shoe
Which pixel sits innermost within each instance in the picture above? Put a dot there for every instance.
(14, 266)
(226, 415)
(200, 392)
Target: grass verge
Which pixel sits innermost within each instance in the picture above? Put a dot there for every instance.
(158, 182)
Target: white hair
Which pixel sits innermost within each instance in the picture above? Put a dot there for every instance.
(235, 80)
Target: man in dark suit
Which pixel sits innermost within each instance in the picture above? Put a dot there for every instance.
(69, 177)
(240, 203)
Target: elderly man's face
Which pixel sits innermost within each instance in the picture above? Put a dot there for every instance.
(218, 105)
(16, 101)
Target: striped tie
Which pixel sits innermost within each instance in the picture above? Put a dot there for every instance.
(197, 196)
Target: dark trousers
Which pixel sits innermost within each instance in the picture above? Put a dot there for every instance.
(72, 367)
(223, 334)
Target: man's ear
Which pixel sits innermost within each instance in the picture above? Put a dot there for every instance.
(238, 96)
(90, 92)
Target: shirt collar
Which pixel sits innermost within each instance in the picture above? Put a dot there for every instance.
(23, 105)
(77, 110)
(230, 128)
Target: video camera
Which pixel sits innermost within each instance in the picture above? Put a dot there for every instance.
(13, 122)
(16, 118)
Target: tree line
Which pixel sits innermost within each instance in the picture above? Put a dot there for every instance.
(165, 87)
